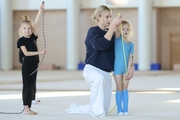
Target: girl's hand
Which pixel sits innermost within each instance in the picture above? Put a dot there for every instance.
(42, 6)
(42, 52)
(130, 73)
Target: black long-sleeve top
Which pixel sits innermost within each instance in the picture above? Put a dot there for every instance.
(99, 50)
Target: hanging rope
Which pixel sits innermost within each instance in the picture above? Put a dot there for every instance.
(12, 112)
(44, 38)
(124, 54)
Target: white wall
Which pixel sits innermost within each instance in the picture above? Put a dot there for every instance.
(0, 35)
(34, 4)
(166, 3)
(62, 4)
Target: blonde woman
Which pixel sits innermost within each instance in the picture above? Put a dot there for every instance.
(99, 63)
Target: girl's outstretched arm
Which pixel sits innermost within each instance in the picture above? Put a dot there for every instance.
(37, 19)
(29, 53)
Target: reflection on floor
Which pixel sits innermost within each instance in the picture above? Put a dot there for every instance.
(152, 96)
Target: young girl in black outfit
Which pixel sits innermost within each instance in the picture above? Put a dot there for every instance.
(29, 57)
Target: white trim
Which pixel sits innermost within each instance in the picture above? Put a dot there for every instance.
(85, 4)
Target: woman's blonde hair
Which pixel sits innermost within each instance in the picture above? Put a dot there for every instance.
(99, 12)
(131, 33)
(27, 21)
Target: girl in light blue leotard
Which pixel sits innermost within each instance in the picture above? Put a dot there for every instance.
(120, 67)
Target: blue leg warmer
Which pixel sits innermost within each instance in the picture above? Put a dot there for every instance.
(125, 100)
(119, 101)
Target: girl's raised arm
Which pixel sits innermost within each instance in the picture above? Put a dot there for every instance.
(37, 19)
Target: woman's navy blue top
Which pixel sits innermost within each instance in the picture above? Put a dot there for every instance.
(99, 50)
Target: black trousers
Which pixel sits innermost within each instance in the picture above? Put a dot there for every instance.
(34, 92)
(28, 82)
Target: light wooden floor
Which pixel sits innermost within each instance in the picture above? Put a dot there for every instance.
(153, 95)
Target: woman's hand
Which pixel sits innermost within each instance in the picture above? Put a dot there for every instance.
(117, 20)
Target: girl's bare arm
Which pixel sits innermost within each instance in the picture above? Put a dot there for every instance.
(31, 53)
(130, 62)
(130, 68)
(37, 19)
